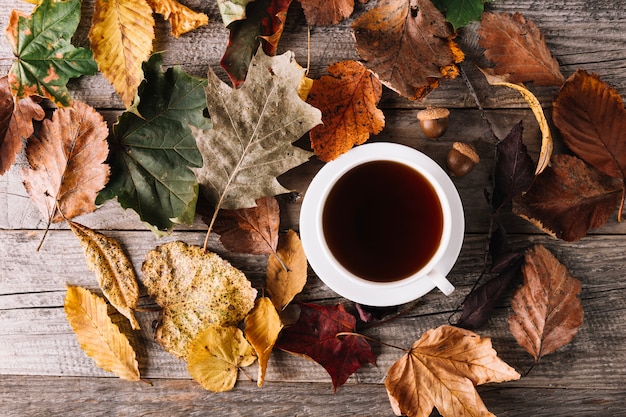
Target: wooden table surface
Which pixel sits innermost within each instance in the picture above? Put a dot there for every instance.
(44, 372)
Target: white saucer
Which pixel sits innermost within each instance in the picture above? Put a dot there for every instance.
(369, 293)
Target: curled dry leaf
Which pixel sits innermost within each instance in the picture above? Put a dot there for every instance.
(194, 289)
(98, 336)
(347, 98)
(113, 270)
(262, 328)
(216, 355)
(284, 284)
(547, 312)
(66, 161)
(182, 18)
(326, 12)
(441, 370)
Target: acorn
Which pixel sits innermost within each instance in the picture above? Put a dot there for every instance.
(461, 159)
(433, 121)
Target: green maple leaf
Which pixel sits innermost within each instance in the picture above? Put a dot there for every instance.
(153, 148)
(253, 130)
(461, 12)
(45, 57)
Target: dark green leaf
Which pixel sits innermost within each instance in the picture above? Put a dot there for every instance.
(461, 12)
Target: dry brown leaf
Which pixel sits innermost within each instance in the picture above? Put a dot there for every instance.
(262, 328)
(547, 312)
(195, 289)
(98, 336)
(113, 270)
(67, 162)
(181, 17)
(326, 12)
(283, 285)
(347, 98)
(441, 370)
(216, 355)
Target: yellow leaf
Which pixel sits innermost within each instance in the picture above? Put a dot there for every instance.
(262, 328)
(98, 336)
(284, 284)
(182, 18)
(121, 38)
(546, 137)
(216, 355)
(114, 271)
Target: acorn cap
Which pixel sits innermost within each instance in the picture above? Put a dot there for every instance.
(433, 113)
(467, 150)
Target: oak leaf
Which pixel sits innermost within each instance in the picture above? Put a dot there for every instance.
(216, 355)
(408, 45)
(232, 10)
(253, 130)
(518, 49)
(121, 38)
(251, 230)
(461, 12)
(315, 336)
(16, 123)
(547, 311)
(263, 326)
(45, 57)
(113, 270)
(98, 336)
(66, 160)
(569, 198)
(592, 120)
(182, 18)
(347, 99)
(326, 12)
(286, 270)
(194, 289)
(441, 370)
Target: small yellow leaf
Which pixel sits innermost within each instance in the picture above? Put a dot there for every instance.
(98, 336)
(216, 355)
(305, 87)
(284, 284)
(182, 18)
(113, 269)
(262, 328)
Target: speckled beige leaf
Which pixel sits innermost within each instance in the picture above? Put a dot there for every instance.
(194, 289)
(98, 336)
(262, 328)
(284, 284)
(181, 17)
(113, 270)
(216, 355)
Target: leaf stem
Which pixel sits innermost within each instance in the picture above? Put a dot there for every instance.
(371, 339)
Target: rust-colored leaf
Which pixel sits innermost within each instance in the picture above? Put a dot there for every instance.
(284, 284)
(408, 45)
(326, 12)
(547, 312)
(518, 49)
(441, 370)
(262, 328)
(182, 18)
(347, 99)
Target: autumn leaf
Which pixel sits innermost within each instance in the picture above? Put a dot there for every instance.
(518, 49)
(314, 336)
(232, 10)
(153, 148)
(547, 312)
(66, 160)
(113, 269)
(461, 12)
(284, 284)
(265, 22)
(216, 355)
(194, 289)
(408, 45)
(121, 38)
(569, 198)
(592, 120)
(347, 99)
(98, 336)
(441, 370)
(253, 130)
(326, 12)
(182, 18)
(251, 230)
(16, 123)
(262, 328)
(45, 57)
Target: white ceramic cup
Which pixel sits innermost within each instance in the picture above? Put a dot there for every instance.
(364, 291)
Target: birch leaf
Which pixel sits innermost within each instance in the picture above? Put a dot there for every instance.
(182, 18)
(113, 270)
(98, 336)
(284, 284)
(262, 328)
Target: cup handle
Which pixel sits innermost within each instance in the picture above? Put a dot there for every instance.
(441, 282)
